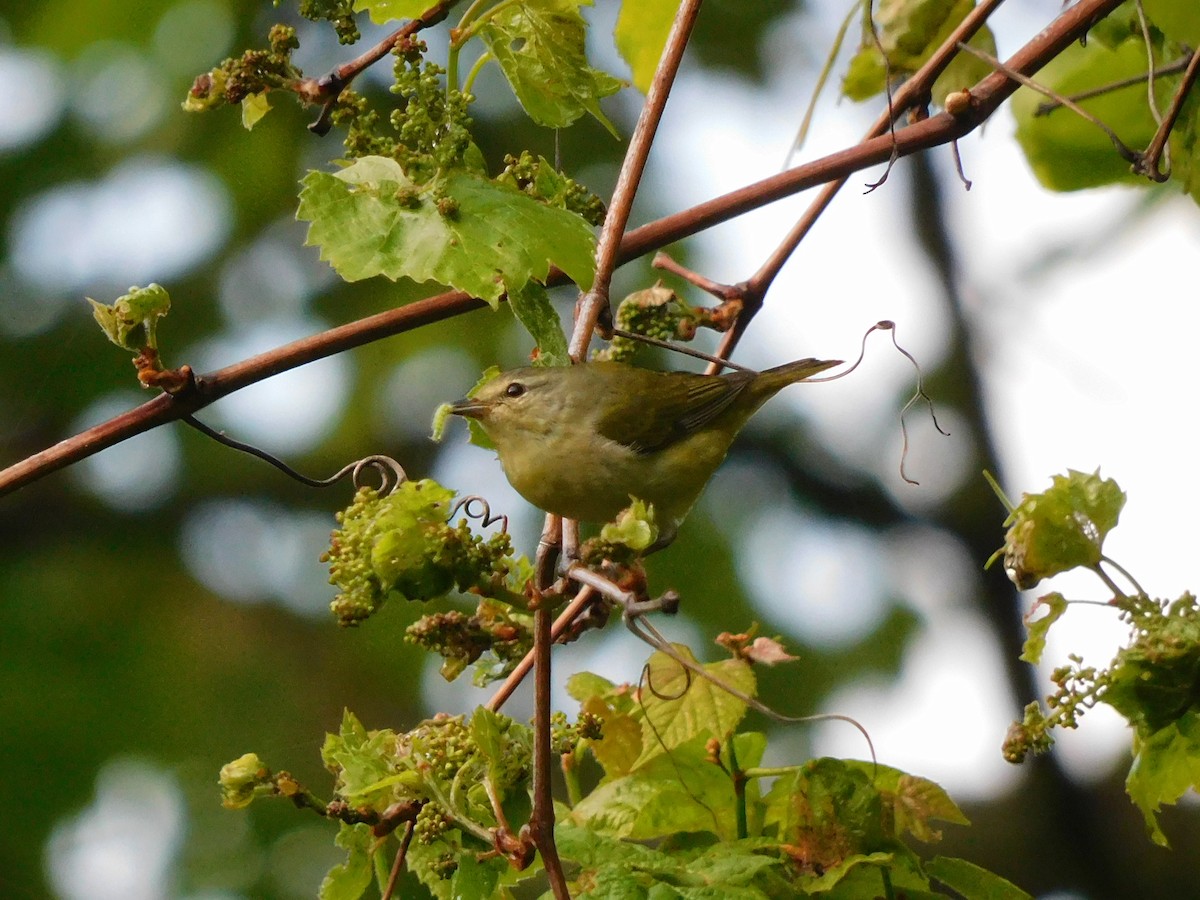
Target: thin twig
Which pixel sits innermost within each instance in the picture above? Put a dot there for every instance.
(1148, 160)
(330, 86)
(1174, 68)
(561, 625)
(593, 306)
(679, 348)
(541, 819)
(398, 864)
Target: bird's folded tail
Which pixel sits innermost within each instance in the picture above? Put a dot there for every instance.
(803, 368)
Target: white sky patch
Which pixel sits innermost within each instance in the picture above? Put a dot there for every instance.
(824, 580)
(117, 93)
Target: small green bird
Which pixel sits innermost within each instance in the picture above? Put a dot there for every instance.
(579, 441)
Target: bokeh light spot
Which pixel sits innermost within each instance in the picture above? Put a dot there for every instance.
(123, 845)
(34, 104)
(149, 220)
(139, 473)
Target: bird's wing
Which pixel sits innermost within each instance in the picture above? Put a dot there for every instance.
(670, 410)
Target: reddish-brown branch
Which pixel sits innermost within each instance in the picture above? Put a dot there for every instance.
(562, 625)
(594, 305)
(329, 87)
(1148, 160)
(934, 131)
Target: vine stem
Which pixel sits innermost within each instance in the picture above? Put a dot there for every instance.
(985, 97)
(541, 819)
(1148, 160)
(593, 306)
(564, 621)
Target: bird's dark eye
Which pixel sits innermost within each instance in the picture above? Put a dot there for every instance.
(515, 389)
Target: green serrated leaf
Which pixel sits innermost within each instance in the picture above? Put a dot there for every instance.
(972, 881)
(1165, 767)
(358, 758)
(1062, 528)
(1035, 643)
(350, 880)
(683, 791)
(621, 744)
(915, 801)
(474, 878)
(584, 685)
(1156, 679)
(382, 11)
(531, 305)
(539, 45)
(459, 230)
(679, 704)
(641, 34)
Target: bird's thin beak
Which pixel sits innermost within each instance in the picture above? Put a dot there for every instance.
(471, 409)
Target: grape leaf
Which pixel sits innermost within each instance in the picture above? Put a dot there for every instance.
(1179, 22)
(254, 107)
(915, 801)
(1035, 644)
(641, 34)
(382, 11)
(359, 758)
(1061, 528)
(131, 321)
(680, 791)
(1165, 766)
(1153, 681)
(539, 45)
(348, 880)
(459, 229)
(680, 704)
